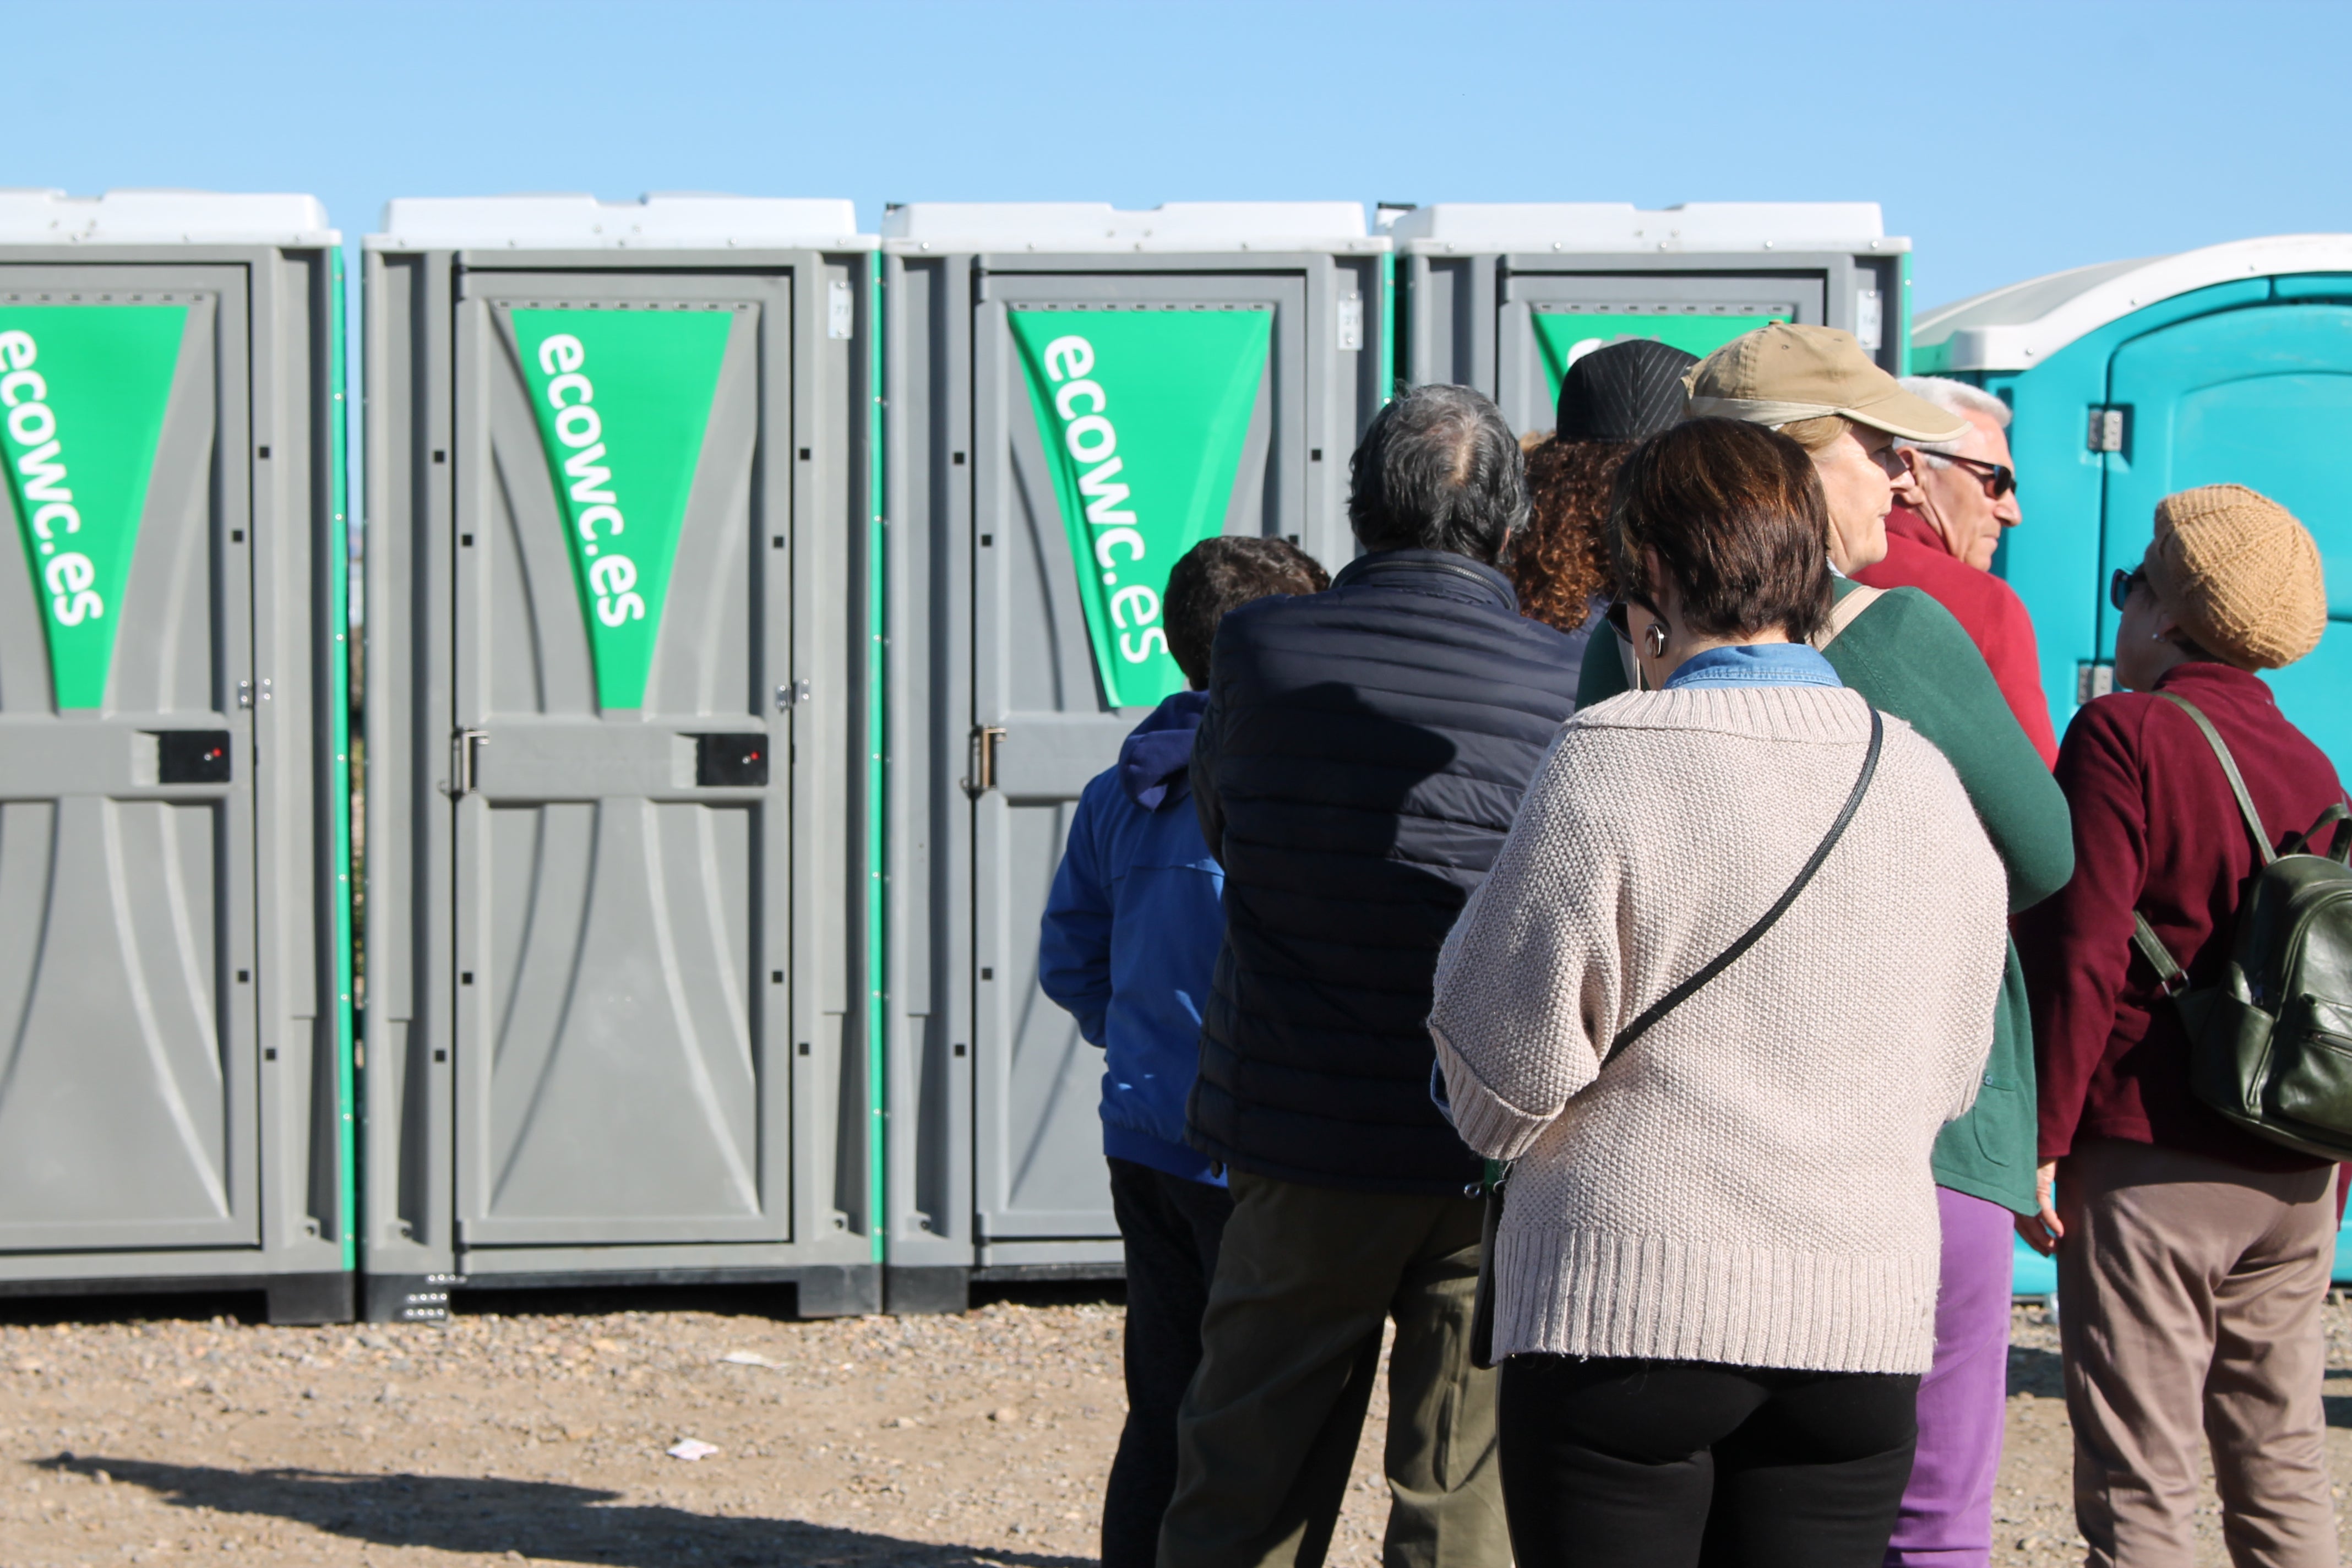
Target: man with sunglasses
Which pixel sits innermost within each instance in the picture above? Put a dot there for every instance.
(1952, 502)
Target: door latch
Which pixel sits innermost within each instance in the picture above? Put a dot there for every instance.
(982, 777)
(464, 754)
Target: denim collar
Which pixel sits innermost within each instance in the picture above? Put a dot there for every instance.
(1756, 664)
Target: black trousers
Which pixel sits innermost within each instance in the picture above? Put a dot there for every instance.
(1172, 1228)
(1641, 1464)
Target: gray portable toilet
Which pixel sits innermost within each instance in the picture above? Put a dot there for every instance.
(1077, 395)
(619, 511)
(174, 1113)
(1505, 296)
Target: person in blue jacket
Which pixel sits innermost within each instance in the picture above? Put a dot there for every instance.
(1130, 941)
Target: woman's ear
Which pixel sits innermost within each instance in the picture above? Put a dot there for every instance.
(1653, 578)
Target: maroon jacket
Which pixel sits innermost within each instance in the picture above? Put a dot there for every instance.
(2157, 828)
(1987, 609)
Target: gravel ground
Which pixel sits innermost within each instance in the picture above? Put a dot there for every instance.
(540, 1431)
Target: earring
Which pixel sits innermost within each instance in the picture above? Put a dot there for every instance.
(1654, 639)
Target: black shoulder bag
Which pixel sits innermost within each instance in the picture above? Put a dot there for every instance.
(1498, 1172)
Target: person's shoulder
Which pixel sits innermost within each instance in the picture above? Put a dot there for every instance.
(1907, 750)
(1103, 802)
(1245, 620)
(1909, 612)
(2115, 724)
(1910, 755)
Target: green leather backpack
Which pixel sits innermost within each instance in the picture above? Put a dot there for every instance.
(2271, 1046)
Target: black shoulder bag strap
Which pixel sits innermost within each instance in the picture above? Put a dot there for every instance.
(1498, 1173)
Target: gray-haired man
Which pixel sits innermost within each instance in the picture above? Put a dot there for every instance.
(1362, 754)
(1951, 507)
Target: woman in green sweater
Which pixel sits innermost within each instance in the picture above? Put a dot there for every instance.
(1906, 654)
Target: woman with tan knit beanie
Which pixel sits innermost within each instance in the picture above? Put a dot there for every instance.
(2192, 1256)
(1715, 1280)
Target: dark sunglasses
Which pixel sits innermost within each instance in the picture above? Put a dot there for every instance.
(2120, 585)
(1999, 479)
(1620, 614)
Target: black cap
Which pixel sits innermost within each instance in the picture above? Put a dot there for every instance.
(1626, 391)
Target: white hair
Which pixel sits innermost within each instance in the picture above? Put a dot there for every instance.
(1953, 397)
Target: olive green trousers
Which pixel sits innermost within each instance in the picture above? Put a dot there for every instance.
(1291, 1343)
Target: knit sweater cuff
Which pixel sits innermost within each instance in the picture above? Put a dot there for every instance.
(1487, 1121)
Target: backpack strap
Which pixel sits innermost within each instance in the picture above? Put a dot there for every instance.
(2230, 766)
(2307, 843)
(1845, 613)
(2170, 978)
(1770, 918)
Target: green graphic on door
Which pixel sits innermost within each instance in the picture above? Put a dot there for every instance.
(83, 390)
(623, 399)
(1143, 414)
(1563, 337)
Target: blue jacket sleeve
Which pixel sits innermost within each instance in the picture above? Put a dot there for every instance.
(1074, 939)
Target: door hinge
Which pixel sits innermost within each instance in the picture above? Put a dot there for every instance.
(791, 694)
(982, 776)
(1869, 319)
(2092, 678)
(1352, 321)
(2110, 427)
(244, 694)
(840, 309)
(464, 755)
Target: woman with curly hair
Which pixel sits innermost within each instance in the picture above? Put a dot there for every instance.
(1610, 399)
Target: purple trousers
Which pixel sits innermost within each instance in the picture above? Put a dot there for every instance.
(1946, 1519)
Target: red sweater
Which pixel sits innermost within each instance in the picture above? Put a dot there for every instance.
(2157, 828)
(1987, 609)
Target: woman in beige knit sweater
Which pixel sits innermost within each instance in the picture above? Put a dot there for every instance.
(1715, 1275)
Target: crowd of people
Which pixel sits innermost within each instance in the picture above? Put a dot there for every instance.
(1635, 930)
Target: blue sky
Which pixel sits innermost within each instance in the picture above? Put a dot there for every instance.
(2007, 139)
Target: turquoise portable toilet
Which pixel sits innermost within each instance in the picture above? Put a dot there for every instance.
(2134, 379)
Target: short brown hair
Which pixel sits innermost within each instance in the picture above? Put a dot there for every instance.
(1217, 574)
(1559, 562)
(1736, 516)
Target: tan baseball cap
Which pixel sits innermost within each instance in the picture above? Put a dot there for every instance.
(1781, 373)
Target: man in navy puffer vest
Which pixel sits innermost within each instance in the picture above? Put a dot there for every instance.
(1128, 942)
(1361, 759)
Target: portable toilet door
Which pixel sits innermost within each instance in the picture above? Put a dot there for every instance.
(1504, 297)
(2134, 379)
(618, 514)
(174, 825)
(1078, 395)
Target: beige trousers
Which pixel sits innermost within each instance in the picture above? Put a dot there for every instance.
(2189, 1294)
